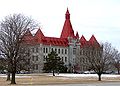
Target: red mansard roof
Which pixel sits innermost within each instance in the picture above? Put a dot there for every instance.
(55, 41)
(67, 28)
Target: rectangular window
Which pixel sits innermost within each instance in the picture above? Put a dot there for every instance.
(55, 50)
(62, 59)
(33, 67)
(58, 51)
(36, 58)
(80, 52)
(37, 49)
(36, 67)
(52, 49)
(43, 50)
(65, 59)
(32, 49)
(46, 50)
(28, 52)
(65, 51)
(44, 59)
(62, 51)
(32, 58)
(74, 50)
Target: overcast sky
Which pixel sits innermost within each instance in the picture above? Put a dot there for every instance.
(98, 17)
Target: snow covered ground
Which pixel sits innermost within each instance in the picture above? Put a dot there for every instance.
(86, 75)
(17, 76)
(65, 75)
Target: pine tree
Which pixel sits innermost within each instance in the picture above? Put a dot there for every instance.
(53, 63)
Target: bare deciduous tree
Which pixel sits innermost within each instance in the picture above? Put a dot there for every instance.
(12, 29)
(116, 60)
(101, 60)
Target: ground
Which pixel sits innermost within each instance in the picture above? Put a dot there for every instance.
(46, 79)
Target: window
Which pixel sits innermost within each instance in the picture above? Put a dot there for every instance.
(33, 50)
(33, 67)
(52, 49)
(36, 49)
(58, 51)
(83, 60)
(46, 50)
(55, 50)
(62, 51)
(65, 51)
(80, 53)
(32, 58)
(36, 67)
(65, 59)
(36, 58)
(44, 58)
(43, 50)
(74, 50)
(62, 59)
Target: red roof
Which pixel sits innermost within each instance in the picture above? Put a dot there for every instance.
(55, 41)
(93, 41)
(83, 41)
(67, 30)
(39, 36)
(27, 37)
(28, 33)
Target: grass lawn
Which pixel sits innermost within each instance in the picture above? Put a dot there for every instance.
(44, 79)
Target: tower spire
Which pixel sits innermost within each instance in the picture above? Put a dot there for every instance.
(67, 15)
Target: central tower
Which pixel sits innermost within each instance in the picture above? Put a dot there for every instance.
(67, 30)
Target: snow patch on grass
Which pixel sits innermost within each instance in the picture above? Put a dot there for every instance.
(86, 75)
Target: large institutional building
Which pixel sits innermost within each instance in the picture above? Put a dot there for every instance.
(69, 47)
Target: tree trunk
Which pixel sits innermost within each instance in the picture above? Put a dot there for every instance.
(53, 73)
(13, 78)
(99, 75)
(118, 71)
(8, 76)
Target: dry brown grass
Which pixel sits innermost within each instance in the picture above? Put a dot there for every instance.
(44, 80)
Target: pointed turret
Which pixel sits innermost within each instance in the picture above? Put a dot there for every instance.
(39, 36)
(28, 33)
(27, 37)
(83, 41)
(77, 35)
(67, 30)
(93, 40)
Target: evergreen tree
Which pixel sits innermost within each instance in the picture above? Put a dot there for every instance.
(53, 63)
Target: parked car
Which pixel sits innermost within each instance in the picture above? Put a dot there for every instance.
(24, 72)
(86, 72)
(89, 72)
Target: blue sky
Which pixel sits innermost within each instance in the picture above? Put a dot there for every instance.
(98, 17)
